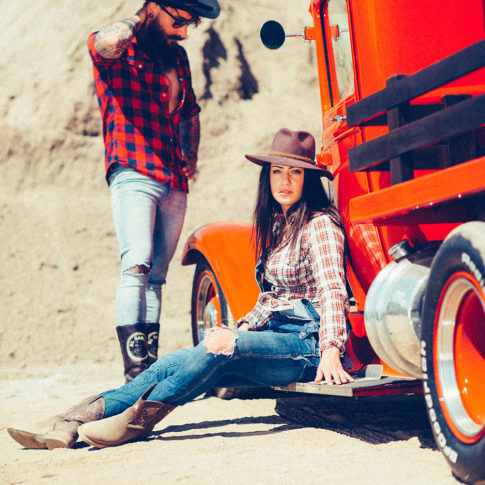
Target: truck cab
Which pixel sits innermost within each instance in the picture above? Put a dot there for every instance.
(402, 100)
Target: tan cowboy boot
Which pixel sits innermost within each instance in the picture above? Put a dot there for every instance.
(62, 432)
(136, 421)
(31, 439)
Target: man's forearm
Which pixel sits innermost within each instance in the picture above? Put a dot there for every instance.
(112, 41)
(190, 137)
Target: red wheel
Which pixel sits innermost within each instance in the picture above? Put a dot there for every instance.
(453, 348)
(458, 356)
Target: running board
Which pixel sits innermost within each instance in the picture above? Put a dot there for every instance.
(368, 382)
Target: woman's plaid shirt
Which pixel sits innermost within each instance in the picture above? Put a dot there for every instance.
(139, 130)
(313, 270)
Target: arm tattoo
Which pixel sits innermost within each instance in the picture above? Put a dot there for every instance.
(190, 136)
(112, 42)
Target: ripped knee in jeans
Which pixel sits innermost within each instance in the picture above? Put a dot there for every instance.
(220, 341)
(139, 269)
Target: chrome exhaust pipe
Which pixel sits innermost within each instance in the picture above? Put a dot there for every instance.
(393, 307)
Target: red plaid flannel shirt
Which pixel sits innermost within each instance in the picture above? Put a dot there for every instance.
(314, 270)
(139, 130)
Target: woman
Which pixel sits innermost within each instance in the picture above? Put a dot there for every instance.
(296, 331)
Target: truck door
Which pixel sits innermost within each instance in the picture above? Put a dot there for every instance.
(338, 90)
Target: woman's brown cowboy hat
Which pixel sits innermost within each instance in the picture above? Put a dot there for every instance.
(294, 149)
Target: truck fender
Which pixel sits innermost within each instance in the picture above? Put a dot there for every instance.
(228, 248)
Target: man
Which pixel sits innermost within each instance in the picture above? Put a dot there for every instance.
(151, 135)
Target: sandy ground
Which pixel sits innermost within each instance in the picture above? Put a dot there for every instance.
(211, 441)
(60, 265)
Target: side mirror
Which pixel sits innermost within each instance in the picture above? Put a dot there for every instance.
(272, 34)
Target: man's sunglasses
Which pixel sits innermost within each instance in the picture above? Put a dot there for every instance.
(179, 22)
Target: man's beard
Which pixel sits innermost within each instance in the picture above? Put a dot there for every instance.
(154, 42)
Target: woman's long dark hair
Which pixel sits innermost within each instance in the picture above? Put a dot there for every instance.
(268, 211)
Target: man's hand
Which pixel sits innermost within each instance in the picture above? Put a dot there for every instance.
(189, 142)
(331, 369)
(244, 327)
(189, 168)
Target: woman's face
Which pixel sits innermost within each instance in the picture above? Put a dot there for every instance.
(286, 184)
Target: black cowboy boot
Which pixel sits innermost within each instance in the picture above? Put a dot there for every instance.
(152, 332)
(133, 342)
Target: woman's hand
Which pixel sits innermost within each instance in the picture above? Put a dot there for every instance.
(331, 369)
(244, 327)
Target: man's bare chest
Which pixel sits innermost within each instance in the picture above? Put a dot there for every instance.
(173, 88)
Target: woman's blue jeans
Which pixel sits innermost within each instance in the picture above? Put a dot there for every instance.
(148, 218)
(276, 357)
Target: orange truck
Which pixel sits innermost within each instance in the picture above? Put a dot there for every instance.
(402, 86)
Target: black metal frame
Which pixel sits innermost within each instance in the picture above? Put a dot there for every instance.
(325, 49)
(421, 136)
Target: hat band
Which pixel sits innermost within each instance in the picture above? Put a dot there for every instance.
(291, 155)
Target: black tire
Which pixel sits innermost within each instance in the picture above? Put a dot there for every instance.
(453, 351)
(209, 307)
(377, 419)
